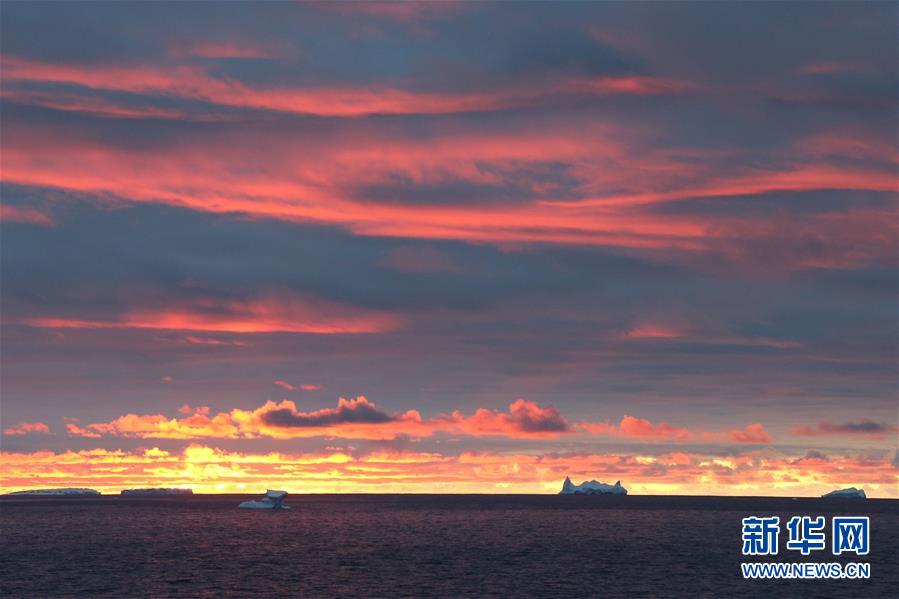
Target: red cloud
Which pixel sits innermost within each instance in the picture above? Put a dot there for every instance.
(25, 428)
(275, 314)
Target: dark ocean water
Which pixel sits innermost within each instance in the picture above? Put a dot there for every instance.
(414, 546)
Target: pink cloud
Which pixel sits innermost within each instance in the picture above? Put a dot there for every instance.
(26, 428)
(24, 214)
(196, 82)
(398, 10)
(640, 428)
(274, 314)
(221, 49)
(327, 187)
(77, 431)
(807, 177)
(302, 387)
(751, 433)
(525, 418)
(654, 331)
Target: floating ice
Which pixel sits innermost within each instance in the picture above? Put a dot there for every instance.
(155, 492)
(850, 493)
(591, 487)
(57, 492)
(272, 500)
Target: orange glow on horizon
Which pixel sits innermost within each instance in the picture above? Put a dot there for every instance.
(210, 470)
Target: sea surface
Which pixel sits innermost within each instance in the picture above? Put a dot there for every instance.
(415, 546)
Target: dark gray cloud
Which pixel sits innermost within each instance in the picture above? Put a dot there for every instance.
(860, 427)
(545, 421)
(353, 412)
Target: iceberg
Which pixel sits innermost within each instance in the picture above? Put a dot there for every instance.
(272, 500)
(591, 487)
(58, 493)
(155, 492)
(850, 493)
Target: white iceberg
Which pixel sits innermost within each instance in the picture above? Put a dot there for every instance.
(591, 487)
(850, 493)
(272, 500)
(58, 493)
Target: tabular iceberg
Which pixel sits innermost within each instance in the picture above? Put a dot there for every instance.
(850, 493)
(58, 493)
(155, 492)
(272, 500)
(591, 487)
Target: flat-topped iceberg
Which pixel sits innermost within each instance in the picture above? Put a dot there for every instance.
(850, 493)
(155, 492)
(591, 487)
(272, 500)
(58, 493)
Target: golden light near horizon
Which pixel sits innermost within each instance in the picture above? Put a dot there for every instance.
(209, 470)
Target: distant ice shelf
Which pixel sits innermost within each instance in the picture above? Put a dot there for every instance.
(272, 500)
(58, 493)
(591, 487)
(155, 492)
(850, 493)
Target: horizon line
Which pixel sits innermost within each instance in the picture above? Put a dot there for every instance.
(22, 493)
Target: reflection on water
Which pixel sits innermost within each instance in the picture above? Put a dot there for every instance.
(415, 546)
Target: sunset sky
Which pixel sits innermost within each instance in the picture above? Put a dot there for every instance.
(449, 247)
